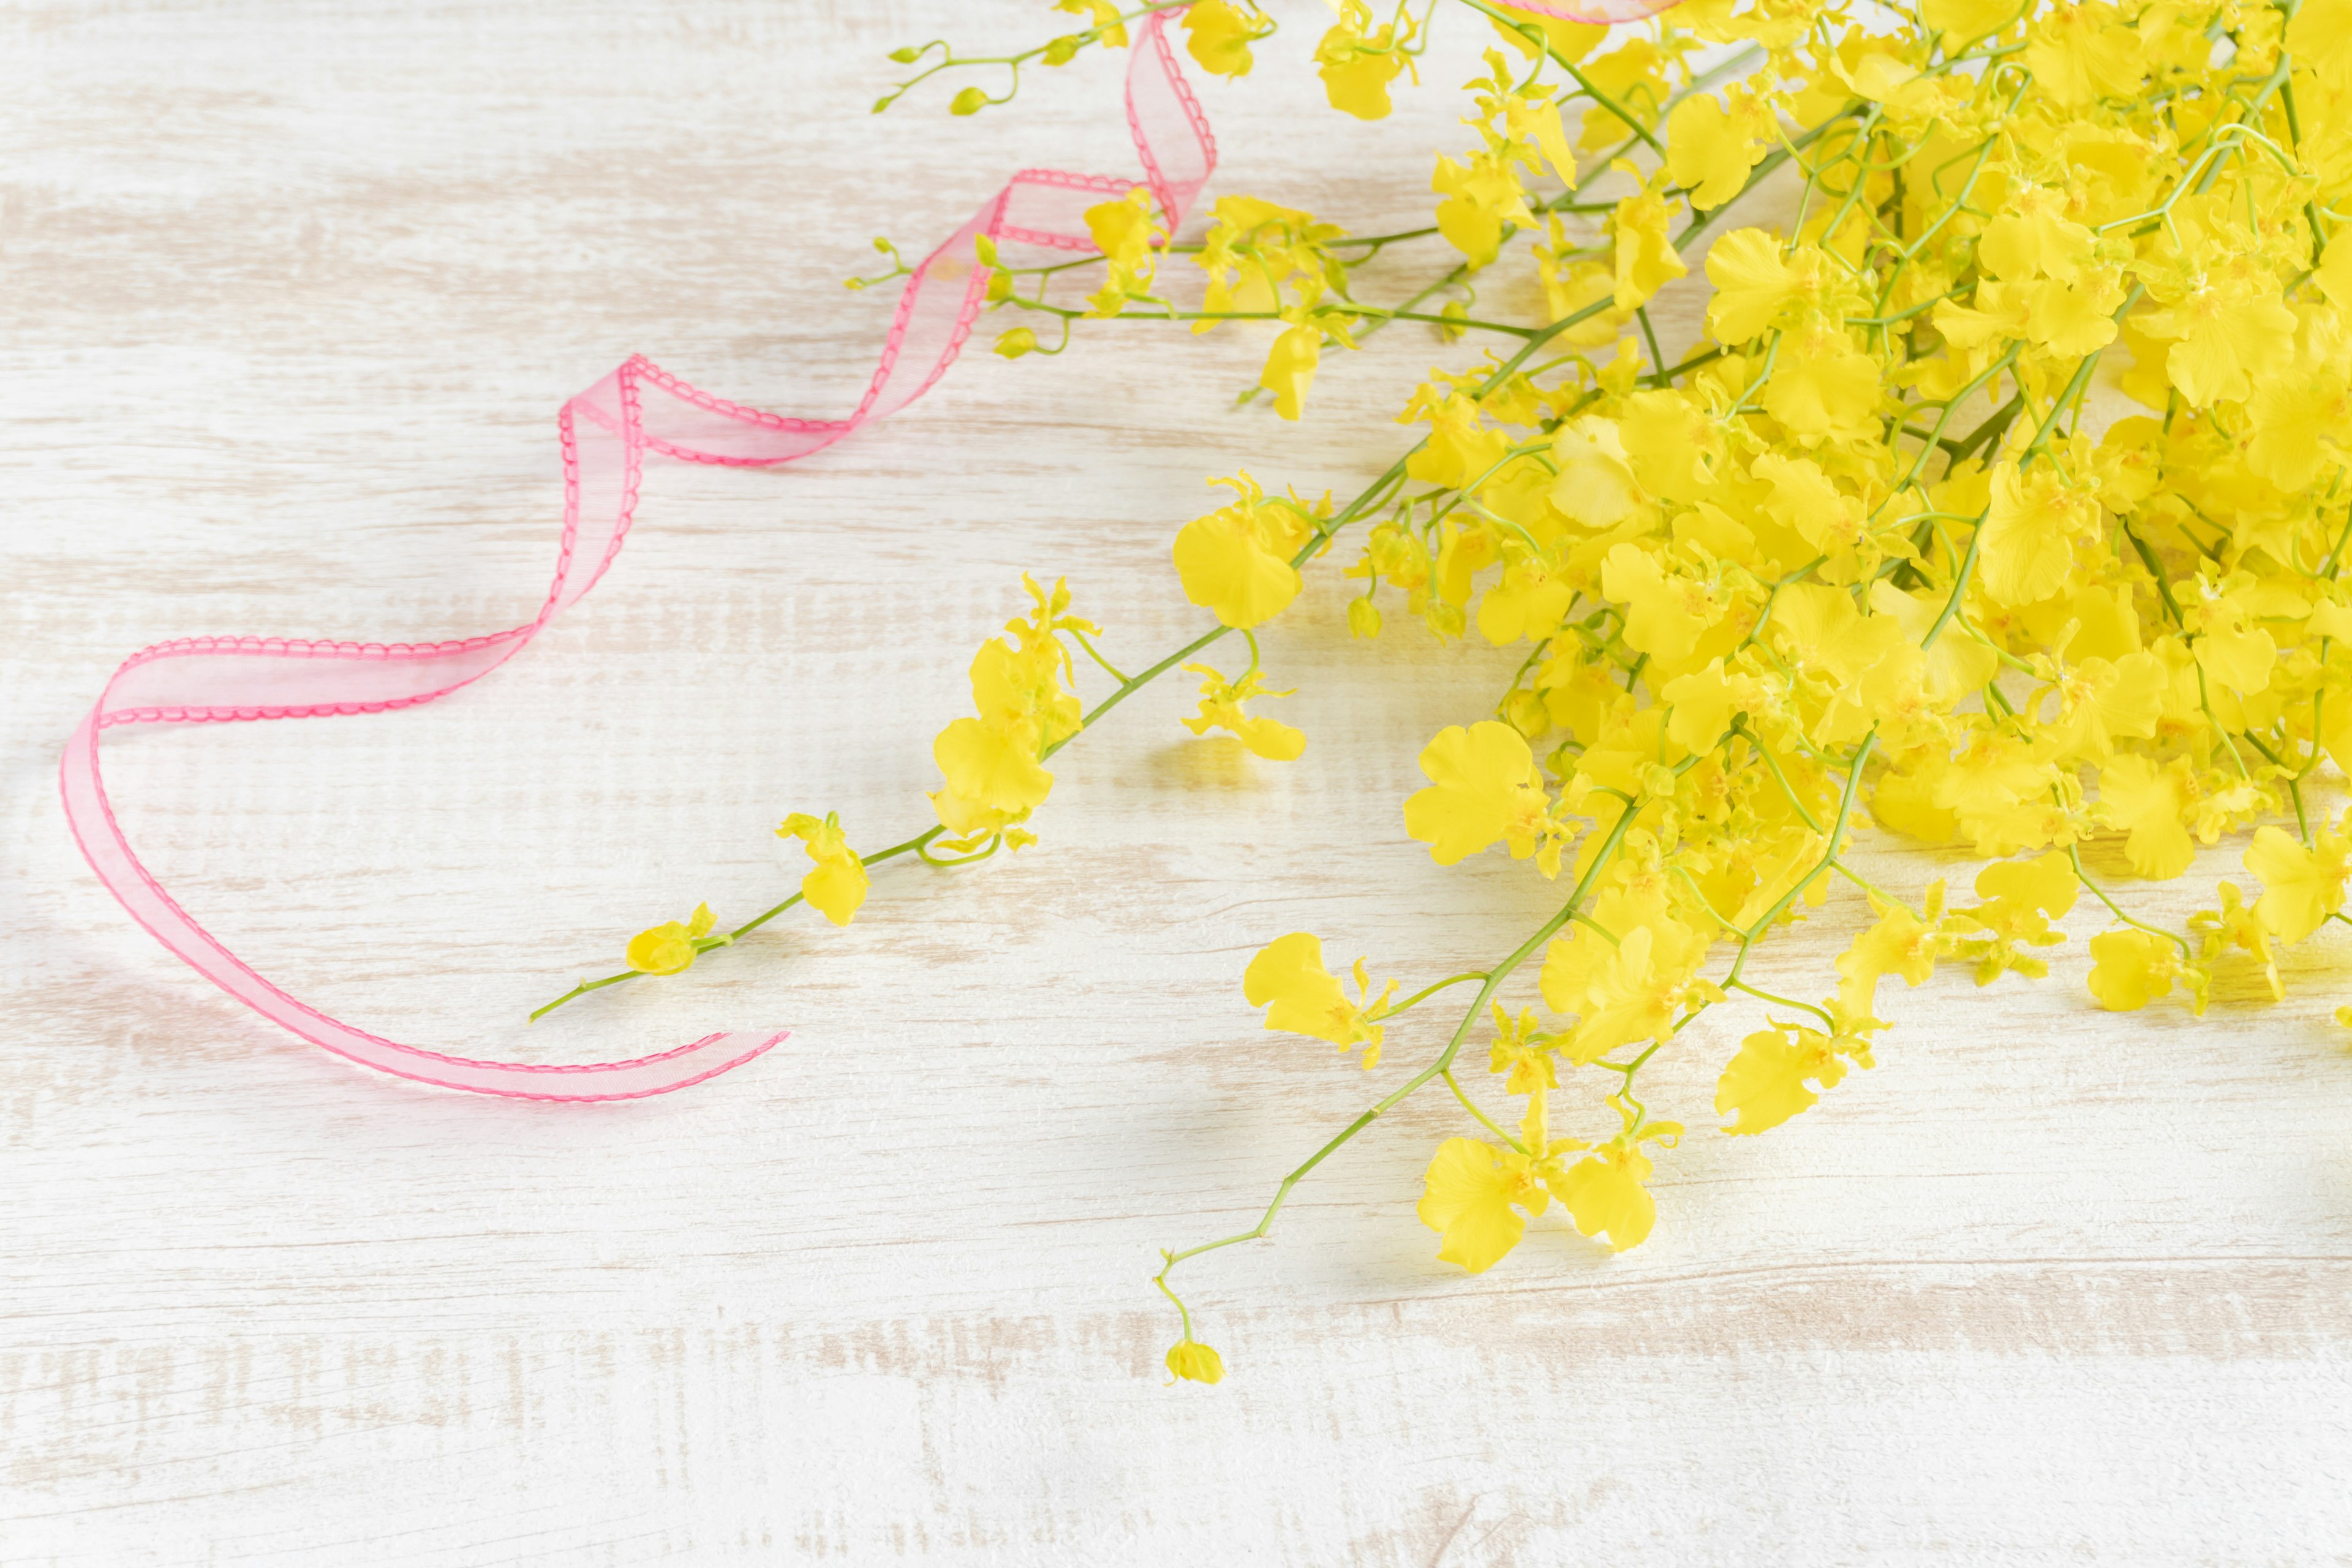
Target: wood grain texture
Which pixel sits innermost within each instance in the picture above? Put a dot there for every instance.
(288, 297)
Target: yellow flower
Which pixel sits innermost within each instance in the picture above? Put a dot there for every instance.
(1643, 249)
(1219, 36)
(1604, 1195)
(993, 777)
(2334, 272)
(1459, 451)
(2152, 804)
(1256, 249)
(2300, 425)
(1307, 999)
(1752, 284)
(1471, 1195)
(835, 886)
(2129, 968)
(2235, 925)
(1568, 39)
(2029, 534)
(1481, 197)
(1822, 631)
(1968, 20)
(1710, 149)
(1822, 388)
(1100, 14)
(1764, 1084)
(1900, 943)
(1665, 613)
(1637, 991)
(2077, 53)
(1235, 561)
(2231, 331)
(1290, 368)
(670, 947)
(2229, 648)
(1125, 232)
(2023, 897)
(1221, 708)
(1595, 485)
(2301, 888)
(2033, 238)
(1484, 787)
(1522, 1052)
(1357, 63)
(1195, 1363)
(1702, 704)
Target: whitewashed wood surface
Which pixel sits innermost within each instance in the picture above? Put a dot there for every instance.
(288, 297)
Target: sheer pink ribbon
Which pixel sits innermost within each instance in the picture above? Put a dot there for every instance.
(1604, 12)
(606, 431)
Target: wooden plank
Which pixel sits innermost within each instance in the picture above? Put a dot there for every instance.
(291, 297)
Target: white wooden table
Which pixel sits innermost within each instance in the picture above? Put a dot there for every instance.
(290, 296)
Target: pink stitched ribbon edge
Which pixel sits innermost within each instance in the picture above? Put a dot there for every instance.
(606, 431)
(1604, 13)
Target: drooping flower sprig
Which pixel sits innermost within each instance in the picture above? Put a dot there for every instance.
(1865, 559)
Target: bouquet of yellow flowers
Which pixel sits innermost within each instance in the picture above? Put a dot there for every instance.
(1861, 559)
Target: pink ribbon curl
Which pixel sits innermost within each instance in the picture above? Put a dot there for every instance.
(606, 431)
(1604, 13)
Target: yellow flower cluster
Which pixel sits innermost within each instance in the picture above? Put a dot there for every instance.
(1866, 555)
(1867, 552)
(994, 764)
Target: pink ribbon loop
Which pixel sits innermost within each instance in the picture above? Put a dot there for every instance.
(606, 431)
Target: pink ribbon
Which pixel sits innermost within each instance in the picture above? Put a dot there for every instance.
(606, 431)
(1606, 12)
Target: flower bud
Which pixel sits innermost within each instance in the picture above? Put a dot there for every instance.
(1363, 618)
(1195, 1363)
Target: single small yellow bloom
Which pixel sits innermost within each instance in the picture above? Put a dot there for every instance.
(836, 886)
(2301, 888)
(1195, 1363)
(1604, 1194)
(1484, 787)
(1237, 561)
(1358, 62)
(1222, 709)
(1219, 35)
(1710, 149)
(1290, 368)
(1764, 1084)
(1467, 1197)
(1125, 231)
(1898, 945)
(1306, 997)
(669, 948)
(1644, 248)
(2130, 968)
